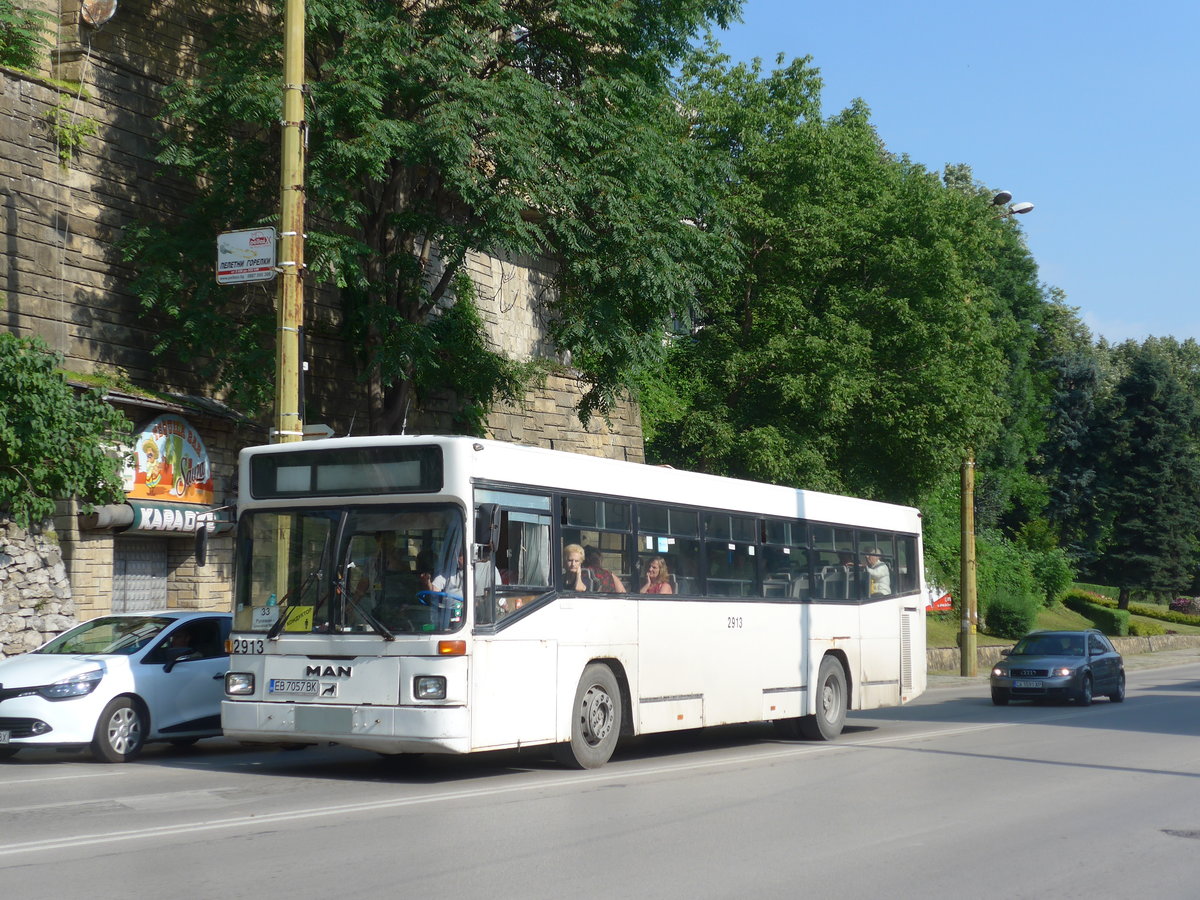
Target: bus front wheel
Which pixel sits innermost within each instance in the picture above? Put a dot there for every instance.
(831, 703)
(595, 720)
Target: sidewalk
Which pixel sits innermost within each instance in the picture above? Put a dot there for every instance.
(1133, 661)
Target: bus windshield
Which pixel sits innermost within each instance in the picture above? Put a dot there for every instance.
(388, 569)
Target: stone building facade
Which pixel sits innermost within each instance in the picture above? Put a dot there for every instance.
(62, 215)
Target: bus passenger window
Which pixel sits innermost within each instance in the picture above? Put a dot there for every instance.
(837, 572)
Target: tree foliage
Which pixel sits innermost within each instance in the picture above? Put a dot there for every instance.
(23, 34)
(863, 340)
(437, 129)
(1146, 450)
(54, 443)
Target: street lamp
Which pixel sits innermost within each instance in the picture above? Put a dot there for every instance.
(1016, 209)
(969, 607)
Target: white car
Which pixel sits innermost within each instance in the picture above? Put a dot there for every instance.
(116, 682)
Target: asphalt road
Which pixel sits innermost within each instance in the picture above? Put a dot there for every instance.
(947, 797)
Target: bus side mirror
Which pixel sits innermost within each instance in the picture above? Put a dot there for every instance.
(487, 529)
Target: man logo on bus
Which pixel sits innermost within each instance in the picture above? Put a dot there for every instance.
(329, 671)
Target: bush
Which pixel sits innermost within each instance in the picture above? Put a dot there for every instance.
(1053, 573)
(1011, 615)
(1101, 589)
(1100, 610)
(54, 443)
(1004, 576)
(1145, 629)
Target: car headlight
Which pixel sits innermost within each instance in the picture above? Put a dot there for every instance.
(1062, 673)
(239, 683)
(998, 672)
(76, 686)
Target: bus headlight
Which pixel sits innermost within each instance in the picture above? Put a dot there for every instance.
(239, 683)
(429, 687)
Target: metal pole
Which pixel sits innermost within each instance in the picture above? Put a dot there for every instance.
(289, 312)
(967, 603)
(289, 416)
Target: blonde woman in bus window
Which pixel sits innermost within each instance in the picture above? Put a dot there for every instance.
(575, 576)
(658, 577)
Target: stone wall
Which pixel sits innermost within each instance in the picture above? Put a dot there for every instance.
(947, 659)
(35, 594)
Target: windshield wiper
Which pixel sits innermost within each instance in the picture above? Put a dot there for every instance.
(287, 608)
(368, 616)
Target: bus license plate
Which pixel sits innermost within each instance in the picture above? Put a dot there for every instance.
(291, 686)
(1027, 684)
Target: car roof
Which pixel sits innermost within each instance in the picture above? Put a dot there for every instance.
(1066, 631)
(180, 614)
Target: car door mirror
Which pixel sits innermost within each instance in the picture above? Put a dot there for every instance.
(174, 655)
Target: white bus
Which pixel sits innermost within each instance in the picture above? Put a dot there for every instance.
(450, 595)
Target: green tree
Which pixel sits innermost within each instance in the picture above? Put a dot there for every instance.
(436, 129)
(1148, 461)
(857, 345)
(54, 443)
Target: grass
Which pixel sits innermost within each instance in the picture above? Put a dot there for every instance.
(943, 632)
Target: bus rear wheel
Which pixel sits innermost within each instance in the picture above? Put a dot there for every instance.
(831, 703)
(595, 720)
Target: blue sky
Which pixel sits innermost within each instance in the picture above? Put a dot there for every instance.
(1089, 110)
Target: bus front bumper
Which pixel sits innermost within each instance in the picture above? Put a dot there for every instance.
(383, 729)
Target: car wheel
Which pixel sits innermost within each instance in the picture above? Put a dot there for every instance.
(1118, 696)
(595, 720)
(1085, 691)
(120, 733)
(831, 703)
(1000, 696)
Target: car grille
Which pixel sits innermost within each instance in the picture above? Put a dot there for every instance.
(1028, 673)
(20, 728)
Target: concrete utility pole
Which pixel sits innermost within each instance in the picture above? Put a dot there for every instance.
(967, 603)
(289, 410)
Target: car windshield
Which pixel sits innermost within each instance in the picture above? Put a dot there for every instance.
(1050, 645)
(111, 634)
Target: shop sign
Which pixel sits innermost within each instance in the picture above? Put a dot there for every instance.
(170, 464)
(160, 517)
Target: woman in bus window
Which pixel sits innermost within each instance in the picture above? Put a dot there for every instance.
(658, 577)
(575, 576)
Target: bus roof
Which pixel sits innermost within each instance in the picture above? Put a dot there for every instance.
(519, 465)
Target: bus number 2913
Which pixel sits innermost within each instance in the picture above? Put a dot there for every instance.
(734, 622)
(248, 646)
